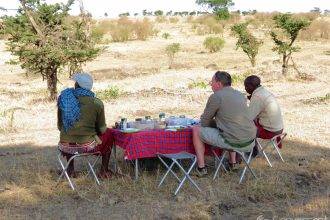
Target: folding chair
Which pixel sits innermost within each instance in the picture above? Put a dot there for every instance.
(176, 157)
(76, 152)
(241, 152)
(275, 144)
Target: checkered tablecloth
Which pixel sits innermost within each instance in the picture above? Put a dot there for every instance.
(144, 144)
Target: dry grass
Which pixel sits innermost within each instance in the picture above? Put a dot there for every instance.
(297, 188)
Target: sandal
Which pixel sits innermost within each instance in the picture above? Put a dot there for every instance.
(105, 175)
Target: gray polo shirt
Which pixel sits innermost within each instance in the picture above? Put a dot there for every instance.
(227, 108)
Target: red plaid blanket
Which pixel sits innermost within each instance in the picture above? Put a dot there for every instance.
(145, 144)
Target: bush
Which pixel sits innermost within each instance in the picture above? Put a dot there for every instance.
(245, 40)
(143, 29)
(318, 29)
(174, 19)
(122, 30)
(207, 24)
(200, 84)
(171, 50)
(165, 35)
(161, 19)
(239, 78)
(112, 92)
(214, 44)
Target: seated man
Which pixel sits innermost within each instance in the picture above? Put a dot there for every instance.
(225, 121)
(263, 109)
(81, 120)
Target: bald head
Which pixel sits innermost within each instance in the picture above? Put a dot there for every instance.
(251, 83)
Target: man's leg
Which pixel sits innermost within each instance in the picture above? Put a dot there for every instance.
(70, 169)
(199, 146)
(105, 149)
(105, 163)
(232, 157)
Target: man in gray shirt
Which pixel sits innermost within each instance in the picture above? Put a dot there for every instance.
(224, 122)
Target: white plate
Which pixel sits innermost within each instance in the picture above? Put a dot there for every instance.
(176, 127)
(130, 130)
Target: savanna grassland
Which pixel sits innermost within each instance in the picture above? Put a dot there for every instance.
(133, 79)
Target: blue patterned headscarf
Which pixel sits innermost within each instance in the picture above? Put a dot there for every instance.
(70, 106)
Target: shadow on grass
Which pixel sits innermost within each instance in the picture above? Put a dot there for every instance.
(297, 188)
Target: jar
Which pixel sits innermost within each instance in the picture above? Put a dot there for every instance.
(162, 116)
(148, 118)
(123, 124)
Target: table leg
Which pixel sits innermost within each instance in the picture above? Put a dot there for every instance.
(136, 169)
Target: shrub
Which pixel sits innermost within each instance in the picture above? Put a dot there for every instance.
(214, 44)
(112, 92)
(161, 19)
(143, 29)
(200, 84)
(171, 50)
(165, 35)
(249, 43)
(122, 30)
(174, 19)
(318, 29)
(289, 26)
(208, 25)
(239, 78)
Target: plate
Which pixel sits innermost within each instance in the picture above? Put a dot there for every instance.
(130, 130)
(176, 127)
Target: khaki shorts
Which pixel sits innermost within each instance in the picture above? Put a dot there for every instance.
(213, 137)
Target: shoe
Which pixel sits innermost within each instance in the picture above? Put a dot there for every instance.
(255, 151)
(231, 167)
(201, 172)
(104, 175)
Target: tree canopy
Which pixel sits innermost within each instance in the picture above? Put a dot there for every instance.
(45, 38)
(219, 7)
(290, 26)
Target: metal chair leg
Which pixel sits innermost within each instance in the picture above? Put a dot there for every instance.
(247, 165)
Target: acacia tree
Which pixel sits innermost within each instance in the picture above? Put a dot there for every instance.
(249, 43)
(219, 7)
(284, 43)
(45, 38)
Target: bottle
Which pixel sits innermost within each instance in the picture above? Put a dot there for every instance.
(162, 116)
(123, 124)
(182, 120)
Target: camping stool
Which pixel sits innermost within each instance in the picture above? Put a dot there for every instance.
(241, 151)
(77, 151)
(275, 144)
(176, 157)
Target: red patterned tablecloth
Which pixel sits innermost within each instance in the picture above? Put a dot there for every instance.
(144, 144)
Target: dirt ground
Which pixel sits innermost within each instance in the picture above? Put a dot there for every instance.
(298, 188)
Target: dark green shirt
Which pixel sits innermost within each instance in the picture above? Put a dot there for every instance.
(90, 124)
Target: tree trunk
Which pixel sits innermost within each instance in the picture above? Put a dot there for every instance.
(285, 65)
(52, 83)
(253, 62)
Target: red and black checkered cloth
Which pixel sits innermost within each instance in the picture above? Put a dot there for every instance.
(144, 144)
